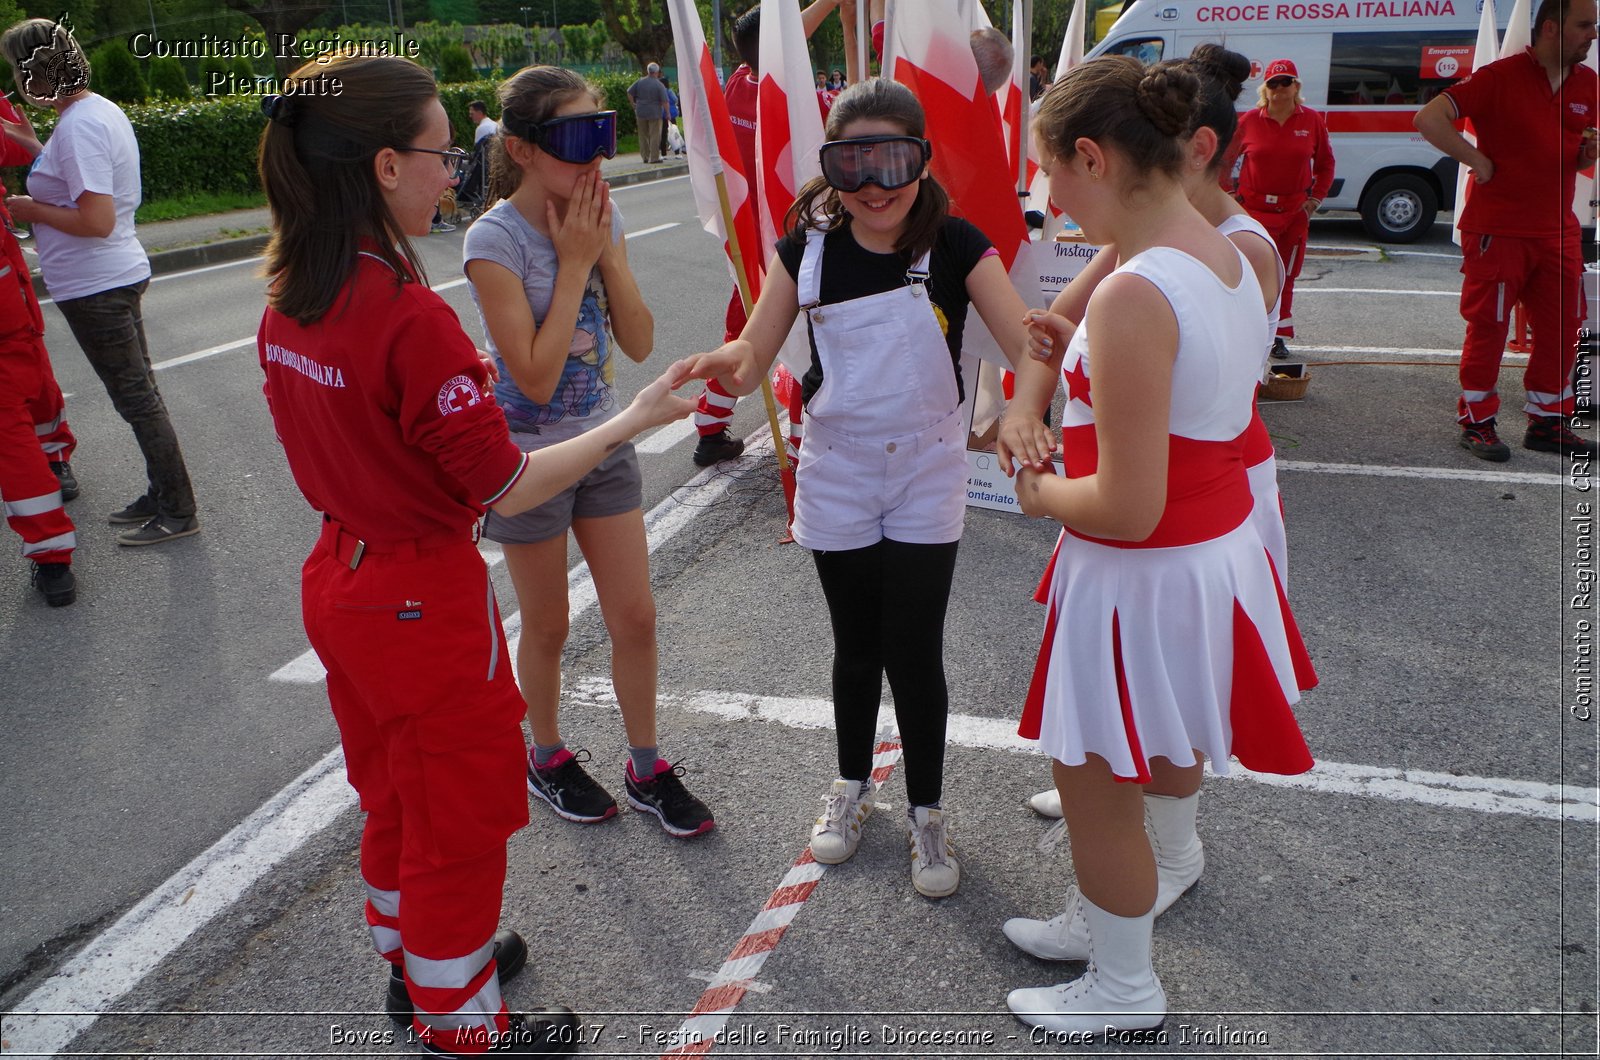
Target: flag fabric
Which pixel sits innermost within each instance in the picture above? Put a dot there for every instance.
(788, 119)
(1519, 31)
(712, 149)
(1071, 55)
(928, 49)
(1488, 47)
(1016, 108)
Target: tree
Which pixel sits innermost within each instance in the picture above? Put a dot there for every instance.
(167, 79)
(282, 19)
(115, 73)
(642, 27)
(455, 65)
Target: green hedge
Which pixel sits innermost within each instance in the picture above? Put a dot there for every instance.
(456, 97)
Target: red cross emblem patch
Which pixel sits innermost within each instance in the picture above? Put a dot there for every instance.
(458, 394)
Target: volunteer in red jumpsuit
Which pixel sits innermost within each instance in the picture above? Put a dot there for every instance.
(1534, 115)
(1285, 173)
(381, 403)
(35, 442)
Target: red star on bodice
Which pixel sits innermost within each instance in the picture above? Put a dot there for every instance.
(1078, 384)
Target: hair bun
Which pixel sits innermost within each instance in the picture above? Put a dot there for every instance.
(1228, 68)
(280, 109)
(1167, 97)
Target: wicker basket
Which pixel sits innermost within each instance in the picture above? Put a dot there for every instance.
(1286, 382)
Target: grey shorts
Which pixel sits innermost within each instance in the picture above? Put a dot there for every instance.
(612, 488)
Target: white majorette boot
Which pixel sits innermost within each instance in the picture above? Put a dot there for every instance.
(837, 833)
(1064, 937)
(1119, 992)
(1046, 803)
(1180, 857)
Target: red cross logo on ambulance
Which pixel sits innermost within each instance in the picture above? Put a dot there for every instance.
(458, 394)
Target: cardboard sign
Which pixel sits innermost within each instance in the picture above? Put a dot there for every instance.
(1058, 262)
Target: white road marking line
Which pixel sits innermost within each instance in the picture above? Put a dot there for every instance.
(1525, 798)
(200, 355)
(1423, 254)
(664, 438)
(1404, 354)
(170, 275)
(106, 969)
(1312, 289)
(1532, 478)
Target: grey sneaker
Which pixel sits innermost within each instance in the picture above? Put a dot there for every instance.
(161, 528)
(141, 511)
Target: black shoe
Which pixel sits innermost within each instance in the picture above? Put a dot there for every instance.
(569, 789)
(69, 482)
(510, 954)
(552, 1031)
(1280, 349)
(715, 448)
(1481, 441)
(161, 528)
(138, 513)
(1550, 434)
(664, 795)
(57, 582)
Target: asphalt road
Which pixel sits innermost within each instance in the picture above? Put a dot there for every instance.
(1425, 891)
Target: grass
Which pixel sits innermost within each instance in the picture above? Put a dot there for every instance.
(197, 204)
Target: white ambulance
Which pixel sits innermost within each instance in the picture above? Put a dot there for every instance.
(1367, 65)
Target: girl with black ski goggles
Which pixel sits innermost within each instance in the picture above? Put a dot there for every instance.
(576, 138)
(890, 162)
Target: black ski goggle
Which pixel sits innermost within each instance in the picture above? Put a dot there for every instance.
(890, 162)
(577, 138)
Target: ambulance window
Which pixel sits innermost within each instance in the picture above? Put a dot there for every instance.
(1145, 49)
(1395, 69)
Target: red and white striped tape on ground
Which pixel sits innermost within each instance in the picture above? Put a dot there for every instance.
(697, 1035)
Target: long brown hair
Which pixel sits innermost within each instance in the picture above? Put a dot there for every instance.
(316, 167)
(818, 205)
(528, 97)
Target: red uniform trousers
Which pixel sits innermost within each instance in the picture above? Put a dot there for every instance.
(1546, 276)
(33, 425)
(429, 716)
(713, 413)
(1289, 231)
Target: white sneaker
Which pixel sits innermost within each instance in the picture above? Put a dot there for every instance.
(935, 872)
(837, 833)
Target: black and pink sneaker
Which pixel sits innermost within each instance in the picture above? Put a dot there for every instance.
(569, 790)
(664, 795)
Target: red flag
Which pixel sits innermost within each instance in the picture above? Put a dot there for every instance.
(930, 52)
(712, 149)
(788, 117)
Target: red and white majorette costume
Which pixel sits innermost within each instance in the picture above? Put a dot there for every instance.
(1260, 461)
(1183, 641)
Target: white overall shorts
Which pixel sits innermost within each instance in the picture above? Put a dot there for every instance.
(883, 455)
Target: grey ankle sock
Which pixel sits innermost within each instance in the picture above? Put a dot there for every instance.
(542, 754)
(644, 761)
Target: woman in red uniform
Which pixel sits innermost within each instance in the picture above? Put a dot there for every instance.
(1286, 171)
(381, 403)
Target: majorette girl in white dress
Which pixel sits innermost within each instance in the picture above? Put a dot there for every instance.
(1168, 638)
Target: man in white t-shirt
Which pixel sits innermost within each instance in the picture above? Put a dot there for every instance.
(483, 126)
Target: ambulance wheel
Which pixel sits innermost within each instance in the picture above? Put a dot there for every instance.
(1400, 208)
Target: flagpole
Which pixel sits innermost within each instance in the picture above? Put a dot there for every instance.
(740, 278)
(1024, 33)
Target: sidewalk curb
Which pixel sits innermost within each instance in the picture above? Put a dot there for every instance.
(223, 251)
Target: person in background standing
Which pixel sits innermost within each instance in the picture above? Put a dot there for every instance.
(84, 189)
(483, 126)
(1534, 114)
(673, 111)
(1038, 78)
(1285, 168)
(651, 105)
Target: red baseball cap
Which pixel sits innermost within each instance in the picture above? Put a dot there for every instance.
(1281, 68)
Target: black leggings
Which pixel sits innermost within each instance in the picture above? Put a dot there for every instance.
(887, 603)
